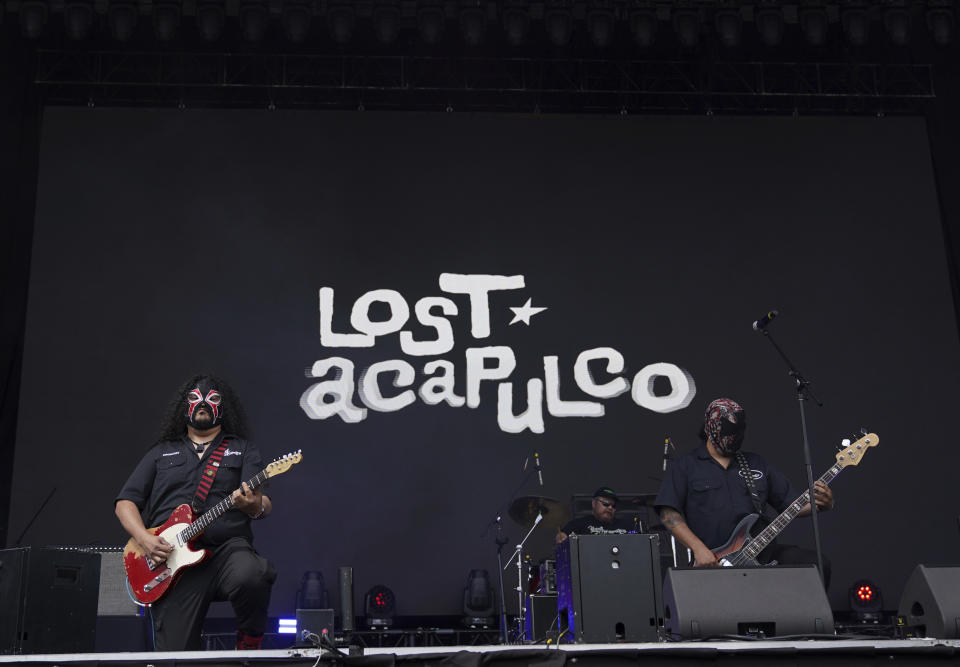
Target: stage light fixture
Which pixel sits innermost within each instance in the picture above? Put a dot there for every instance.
(431, 23)
(473, 25)
(856, 26)
(478, 600)
(600, 26)
(729, 26)
(33, 18)
(866, 601)
(897, 22)
(516, 22)
(941, 23)
(643, 25)
(386, 23)
(380, 605)
(77, 18)
(686, 23)
(312, 593)
(122, 17)
(341, 21)
(559, 26)
(210, 19)
(166, 20)
(295, 18)
(770, 26)
(253, 21)
(287, 626)
(814, 24)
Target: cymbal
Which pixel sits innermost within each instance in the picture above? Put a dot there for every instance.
(643, 499)
(524, 511)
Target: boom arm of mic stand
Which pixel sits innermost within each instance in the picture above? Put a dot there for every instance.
(803, 385)
(519, 548)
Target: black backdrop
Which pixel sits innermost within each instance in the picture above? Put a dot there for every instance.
(167, 242)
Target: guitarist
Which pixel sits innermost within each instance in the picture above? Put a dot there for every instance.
(705, 492)
(203, 415)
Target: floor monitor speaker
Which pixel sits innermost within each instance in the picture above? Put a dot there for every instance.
(931, 601)
(765, 601)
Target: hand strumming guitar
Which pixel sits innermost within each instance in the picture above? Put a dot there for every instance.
(704, 557)
(155, 547)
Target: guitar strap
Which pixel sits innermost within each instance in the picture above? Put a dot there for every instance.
(747, 475)
(210, 470)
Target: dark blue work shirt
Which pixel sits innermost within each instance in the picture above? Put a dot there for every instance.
(713, 499)
(168, 476)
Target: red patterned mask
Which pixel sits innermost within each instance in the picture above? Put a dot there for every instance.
(204, 397)
(724, 424)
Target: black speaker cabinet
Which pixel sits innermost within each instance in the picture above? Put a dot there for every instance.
(609, 588)
(314, 622)
(768, 601)
(48, 600)
(541, 623)
(931, 601)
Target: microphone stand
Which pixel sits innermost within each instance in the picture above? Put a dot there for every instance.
(501, 542)
(803, 393)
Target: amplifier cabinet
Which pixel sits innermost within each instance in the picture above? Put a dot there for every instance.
(48, 600)
(609, 588)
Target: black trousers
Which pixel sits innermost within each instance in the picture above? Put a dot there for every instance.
(234, 572)
(788, 554)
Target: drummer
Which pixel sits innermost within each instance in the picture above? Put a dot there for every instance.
(603, 521)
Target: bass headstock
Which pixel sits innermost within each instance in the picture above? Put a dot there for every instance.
(850, 455)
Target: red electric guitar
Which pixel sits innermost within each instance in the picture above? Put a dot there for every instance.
(741, 550)
(149, 581)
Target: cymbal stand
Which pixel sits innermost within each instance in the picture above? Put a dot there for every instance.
(521, 592)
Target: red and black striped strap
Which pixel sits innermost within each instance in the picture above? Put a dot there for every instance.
(210, 468)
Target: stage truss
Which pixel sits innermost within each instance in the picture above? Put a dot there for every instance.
(528, 85)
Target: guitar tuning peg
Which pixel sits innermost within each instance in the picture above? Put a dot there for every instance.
(864, 431)
(843, 444)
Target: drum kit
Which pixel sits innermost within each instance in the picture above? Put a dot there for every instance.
(547, 516)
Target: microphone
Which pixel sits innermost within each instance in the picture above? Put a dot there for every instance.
(666, 453)
(536, 462)
(762, 323)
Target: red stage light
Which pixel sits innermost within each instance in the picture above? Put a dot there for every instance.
(866, 601)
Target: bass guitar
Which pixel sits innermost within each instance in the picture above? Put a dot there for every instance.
(149, 580)
(741, 550)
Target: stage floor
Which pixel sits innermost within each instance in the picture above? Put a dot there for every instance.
(867, 651)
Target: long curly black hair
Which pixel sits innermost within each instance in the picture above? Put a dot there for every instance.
(174, 424)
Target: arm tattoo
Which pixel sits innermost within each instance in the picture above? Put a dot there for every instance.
(670, 517)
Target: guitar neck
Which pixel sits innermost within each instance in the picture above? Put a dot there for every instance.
(218, 510)
(767, 535)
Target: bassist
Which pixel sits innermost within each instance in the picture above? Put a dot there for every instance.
(203, 437)
(705, 492)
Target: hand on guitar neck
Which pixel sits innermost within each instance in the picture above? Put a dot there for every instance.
(822, 495)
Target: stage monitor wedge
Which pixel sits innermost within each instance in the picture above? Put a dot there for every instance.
(930, 602)
(766, 601)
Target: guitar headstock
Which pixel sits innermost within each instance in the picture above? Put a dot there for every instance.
(852, 453)
(284, 463)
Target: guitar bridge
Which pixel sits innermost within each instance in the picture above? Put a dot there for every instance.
(157, 580)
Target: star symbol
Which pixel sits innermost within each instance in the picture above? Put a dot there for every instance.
(524, 313)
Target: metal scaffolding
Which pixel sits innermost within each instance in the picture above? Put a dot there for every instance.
(491, 84)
